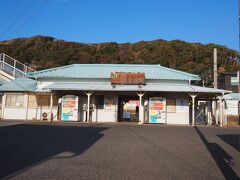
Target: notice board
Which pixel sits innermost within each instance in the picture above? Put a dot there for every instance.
(171, 105)
(110, 104)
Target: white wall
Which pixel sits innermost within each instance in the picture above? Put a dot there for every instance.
(105, 115)
(14, 113)
(24, 113)
(42, 83)
(181, 116)
(36, 113)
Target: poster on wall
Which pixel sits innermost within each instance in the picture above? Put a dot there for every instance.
(157, 110)
(110, 104)
(171, 105)
(232, 107)
(69, 108)
(182, 105)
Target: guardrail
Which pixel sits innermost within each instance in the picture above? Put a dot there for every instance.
(13, 67)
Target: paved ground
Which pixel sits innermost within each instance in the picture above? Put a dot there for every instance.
(118, 151)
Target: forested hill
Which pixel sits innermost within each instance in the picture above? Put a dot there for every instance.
(42, 52)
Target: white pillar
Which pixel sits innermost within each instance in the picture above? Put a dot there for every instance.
(210, 112)
(3, 104)
(88, 105)
(206, 112)
(27, 106)
(193, 108)
(141, 117)
(221, 111)
(224, 113)
(51, 107)
(216, 111)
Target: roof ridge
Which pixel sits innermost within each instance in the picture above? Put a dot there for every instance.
(75, 70)
(102, 64)
(51, 69)
(179, 71)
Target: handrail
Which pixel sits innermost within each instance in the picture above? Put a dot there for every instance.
(13, 67)
(15, 60)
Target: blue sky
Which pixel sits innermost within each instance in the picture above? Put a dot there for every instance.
(90, 21)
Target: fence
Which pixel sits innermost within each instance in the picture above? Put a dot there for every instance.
(13, 67)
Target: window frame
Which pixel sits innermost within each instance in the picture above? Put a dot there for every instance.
(14, 106)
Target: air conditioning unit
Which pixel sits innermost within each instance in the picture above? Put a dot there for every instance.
(46, 116)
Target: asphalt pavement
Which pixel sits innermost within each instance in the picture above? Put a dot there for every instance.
(32, 150)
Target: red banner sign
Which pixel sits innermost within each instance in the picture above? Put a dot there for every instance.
(127, 78)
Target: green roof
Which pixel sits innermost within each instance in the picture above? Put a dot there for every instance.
(232, 96)
(19, 84)
(2, 81)
(103, 71)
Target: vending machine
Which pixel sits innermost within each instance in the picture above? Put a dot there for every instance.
(70, 108)
(157, 110)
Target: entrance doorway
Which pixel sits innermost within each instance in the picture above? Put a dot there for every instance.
(128, 108)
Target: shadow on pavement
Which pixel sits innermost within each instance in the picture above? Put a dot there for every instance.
(232, 139)
(25, 145)
(221, 157)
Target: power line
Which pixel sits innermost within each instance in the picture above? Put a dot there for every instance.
(22, 14)
(29, 18)
(239, 25)
(11, 13)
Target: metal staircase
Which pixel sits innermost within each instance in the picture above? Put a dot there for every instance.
(11, 68)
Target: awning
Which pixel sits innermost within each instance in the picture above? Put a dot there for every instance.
(232, 96)
(164, 87)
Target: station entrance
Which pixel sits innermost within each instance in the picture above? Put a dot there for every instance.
(128, 108)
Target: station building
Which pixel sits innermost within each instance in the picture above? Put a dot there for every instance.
(110, 93)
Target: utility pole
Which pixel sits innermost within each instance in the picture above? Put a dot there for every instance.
(238, 80)
(215, 67)
(239, 25)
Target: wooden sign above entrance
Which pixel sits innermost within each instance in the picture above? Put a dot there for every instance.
(127, 78)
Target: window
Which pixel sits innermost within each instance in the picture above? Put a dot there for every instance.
(99, 101)
(32, 101)
(35, 101)
(234, 81)
(15, 100)
(43, 101)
